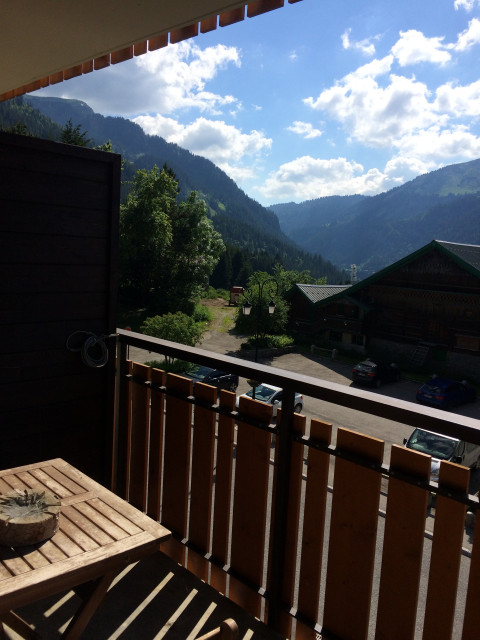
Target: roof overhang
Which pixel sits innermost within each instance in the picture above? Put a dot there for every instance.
(46, 41)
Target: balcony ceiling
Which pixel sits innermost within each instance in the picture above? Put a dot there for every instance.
(47, 41)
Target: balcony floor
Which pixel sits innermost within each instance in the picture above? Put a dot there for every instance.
(153, 599)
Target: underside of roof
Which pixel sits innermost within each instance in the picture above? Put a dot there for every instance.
(47, 41)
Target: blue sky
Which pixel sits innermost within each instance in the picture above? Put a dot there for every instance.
(319, 98)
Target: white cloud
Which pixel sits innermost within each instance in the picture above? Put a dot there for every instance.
(458, 101)
(213, 139)
(469, 37)
(376, 115)
(465, 4)
(413, 47)
(304, 129)
(402, 168)
(238, 174)
(435, 145)
(364, 46)
(177, 76)
(306, 178)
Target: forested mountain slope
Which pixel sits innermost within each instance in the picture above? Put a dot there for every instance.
(373, 232)
(241, 220)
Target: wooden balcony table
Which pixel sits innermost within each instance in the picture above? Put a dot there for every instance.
(99, 535)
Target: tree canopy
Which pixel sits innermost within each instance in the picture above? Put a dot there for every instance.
(263, 288)
(167, 249)
(74, 135)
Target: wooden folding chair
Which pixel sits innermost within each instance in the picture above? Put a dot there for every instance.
(228, 630)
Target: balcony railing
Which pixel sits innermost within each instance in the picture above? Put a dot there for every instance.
(305, 528)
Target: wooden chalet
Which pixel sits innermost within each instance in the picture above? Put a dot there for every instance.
(425, 307)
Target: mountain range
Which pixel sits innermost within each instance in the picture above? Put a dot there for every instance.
(373, 232)
(325, 235)
(241, 221)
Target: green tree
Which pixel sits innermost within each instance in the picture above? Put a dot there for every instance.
(18, 128)
(288, 278)
(74, 135)
(260, 291)
(176, 327)
(167, 249)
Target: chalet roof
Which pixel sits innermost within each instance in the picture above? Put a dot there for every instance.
(319, 292)
(47, 41)
(466, 254)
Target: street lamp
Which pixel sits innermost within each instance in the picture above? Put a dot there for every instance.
(256, 292)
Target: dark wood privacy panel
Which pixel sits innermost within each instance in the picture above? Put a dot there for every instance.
(59, 209)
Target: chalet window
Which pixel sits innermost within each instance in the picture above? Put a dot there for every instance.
(357, 339)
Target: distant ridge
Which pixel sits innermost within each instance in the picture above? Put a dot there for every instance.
(241, 220)
(373, 232)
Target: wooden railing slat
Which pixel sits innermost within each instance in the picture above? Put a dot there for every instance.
(121, 445)
(178, 434)
(202, 479)
(157, 426)
(446, 554)
(402, 546)
(293, 520)
(313, 527)
(471, 622)
(352, 542)
(139, 438)
(250, 503)
(223, 491)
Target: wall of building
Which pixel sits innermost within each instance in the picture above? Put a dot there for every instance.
(460, 365)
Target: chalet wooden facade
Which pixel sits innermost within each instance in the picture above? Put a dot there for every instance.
(425, 306)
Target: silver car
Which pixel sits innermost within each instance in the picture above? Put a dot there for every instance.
(272, 395)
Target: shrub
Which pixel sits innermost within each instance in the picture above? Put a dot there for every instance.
(201, 313)
(270, 342)
(175, 366)
(176, 327)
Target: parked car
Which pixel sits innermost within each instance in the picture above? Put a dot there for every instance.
(375, 373)
(442, 447)
(272, 395)
(214, 377)
(445, 393)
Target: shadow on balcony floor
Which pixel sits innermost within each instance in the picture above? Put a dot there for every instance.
(153, 599)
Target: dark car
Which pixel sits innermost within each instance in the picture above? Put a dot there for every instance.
(213, 377)
(375, 373)
(445, 393)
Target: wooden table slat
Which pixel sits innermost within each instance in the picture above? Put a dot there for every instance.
(66, 544)
(15, 564)
(4, 573)
(57, 482)
(33, 557)
(89, 528)
(101, 521)
(30, 481)
(115, 516)
(51, 551)
(71, 524)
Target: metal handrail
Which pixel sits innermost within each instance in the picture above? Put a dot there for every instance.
(402, 411)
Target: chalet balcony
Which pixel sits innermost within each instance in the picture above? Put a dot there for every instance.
(298, 530)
